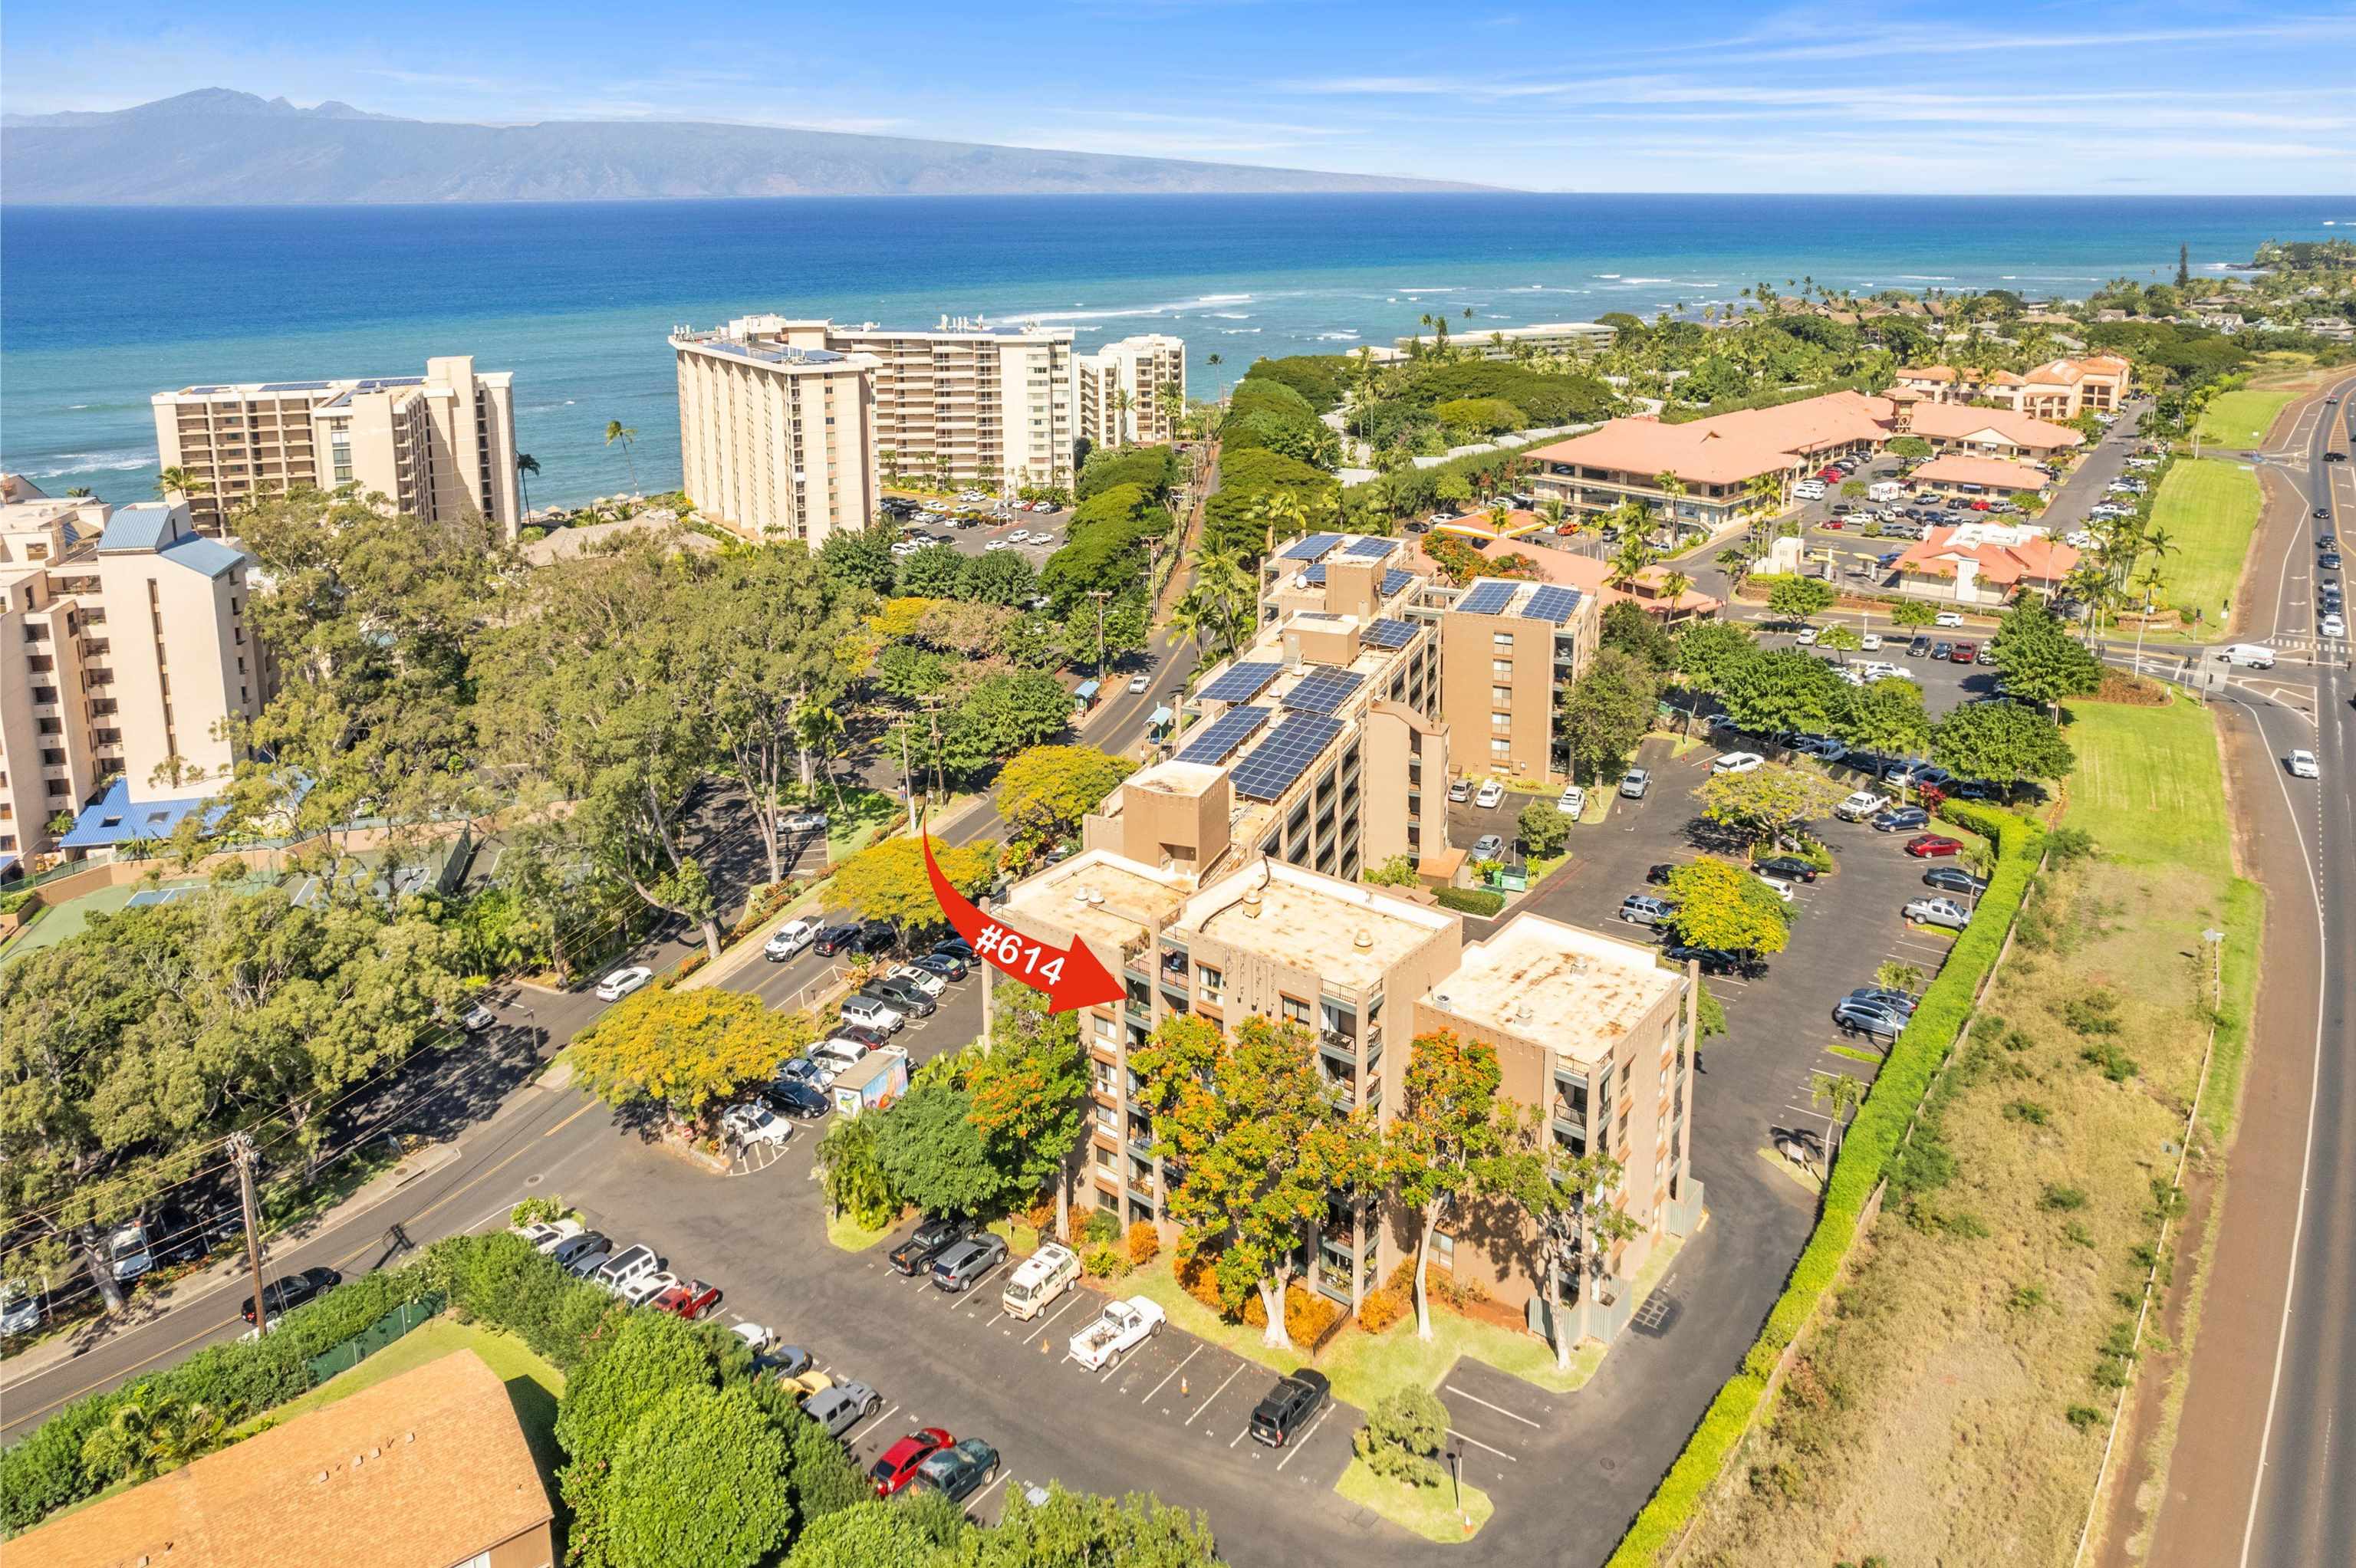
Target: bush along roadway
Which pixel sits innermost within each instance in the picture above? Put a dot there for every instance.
(1866, 1151)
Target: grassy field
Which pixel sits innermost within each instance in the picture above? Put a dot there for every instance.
(1429, 1511)
(1953, 1405)
(533, 1385)
(2239, 419)
(2207, 509)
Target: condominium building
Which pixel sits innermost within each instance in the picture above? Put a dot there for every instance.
(435, 446)
(123, 654)
(1589, 1030)
(2058, 389)
(1585, 338)
(1131, 392)
(776, 431)
(1506, 650)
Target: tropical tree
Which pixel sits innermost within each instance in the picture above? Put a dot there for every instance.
(1438, 1148)
(615, 431)
(1606, 711)
(685, 1049)
(1768, 802)
(1028, 1093)
(1630, 558)
(1568, 1199)
(931, 1150)
(177, 484)
(1838, 1094)
(888, 879)
(527, 467)
(2000, 742)
(1045, 792)
(1799, 598)
(1723, 906)
(1842, 639)
(1912, 614)
(851, 1172)
(1886, 718)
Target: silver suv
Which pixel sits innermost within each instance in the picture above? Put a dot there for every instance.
(842, 1407)
(1644, 908)
(1634, 783)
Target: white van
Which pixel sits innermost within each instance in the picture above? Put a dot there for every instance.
(2248, 656)
(1041, 1277)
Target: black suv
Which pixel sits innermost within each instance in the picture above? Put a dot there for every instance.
(1287, 1407)
(1717, 960)
(933, 1236)
(285, 1295)
(834, 939)
(876, 936)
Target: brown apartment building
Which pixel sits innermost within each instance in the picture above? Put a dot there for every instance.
(1506, 650)
(428, 1469)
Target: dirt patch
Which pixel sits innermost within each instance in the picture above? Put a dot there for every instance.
(2133, 1496)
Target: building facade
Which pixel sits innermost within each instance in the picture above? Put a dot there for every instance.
(436, 446)
(125, 653)
(776, 432)
(1131, 392)
(1507, 650)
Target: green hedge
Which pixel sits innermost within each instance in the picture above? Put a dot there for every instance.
(1470, 900)
(499, 1279)
(1865, 1154)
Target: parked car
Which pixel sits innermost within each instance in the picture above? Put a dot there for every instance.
(1288, 1407)
(873, 1039)
(1634, 783)
(549, 1235)
(284, 1294)
(1904, 1001)
(1781, 890)
(1643, 908)
(1488, 846)
(834, 939)
(964, 1263)
(1490, 795)
(626, 1265)
(1572, 803)
(925, 980)
(1954, 879)
(1933, 847)
(934, 1235)
(1786, 867)
(1736, 763)
(872, 1012)
(876, 936)
(802, 1099)
(1038, 1280)
(1944, 912)
(803, 822)
(941, 964)
(959, 948)
(753, 1124)
(1856, 1016)
(897, 1466)
(646, 1287)
(959, 1470)
(622, 982)
(1461, 790)
(690, 1300)
(842, 1407)
(1716, 960)
(1901, 819)
(1121, 1325)
(1860, 804)
(907, 996)
(579, 1245)
(789, 939)
(1965, 653)
(1659, 873)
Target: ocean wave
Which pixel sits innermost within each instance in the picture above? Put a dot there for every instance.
(1167, 307)
(1430, 288)
(66, 463)
(1925, 277)
(1337, 338)
(1237, 331)
(1229, 315)
(1613, 277)
(1633, 282)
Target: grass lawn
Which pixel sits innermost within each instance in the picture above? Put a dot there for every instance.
(2207, 509)
(1429, 1511)
(2149, 786)
(2241, 419)
(532, 1384)
(848, 1233)
(850, 825)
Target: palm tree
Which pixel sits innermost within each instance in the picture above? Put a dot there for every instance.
(1765, 494)
(1673, 488)
(617, 431)
(1172, 403)
(80, 493)
(1631, 558)
(1840, 1093)
(1674, 584)
(526, 466)
(177, 484)
(1215, 358)
(1122, 402)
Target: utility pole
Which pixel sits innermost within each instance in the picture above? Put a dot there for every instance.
(906, 787)
(240, 1150)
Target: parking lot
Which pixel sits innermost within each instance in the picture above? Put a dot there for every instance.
(997, 528)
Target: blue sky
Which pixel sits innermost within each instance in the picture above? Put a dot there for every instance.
(1999, 96)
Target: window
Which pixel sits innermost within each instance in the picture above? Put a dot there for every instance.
(1499, 746)
(1502, 670)
(1502, 641)
(1500, 697)
(1214, 982)
(1293, 1008)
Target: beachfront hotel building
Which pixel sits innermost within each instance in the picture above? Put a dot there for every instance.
(435, 446)
(1592, 1032)
(1585, 338)
(776, 431)
(125, 651)
(1131, 392)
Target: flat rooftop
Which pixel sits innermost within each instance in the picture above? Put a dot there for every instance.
(1113, 901)
(1576, 992)
(1346, 933)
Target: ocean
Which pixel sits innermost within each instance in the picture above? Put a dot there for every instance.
(102, 307)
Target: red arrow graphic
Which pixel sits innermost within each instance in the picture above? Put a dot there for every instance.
(1072, 976)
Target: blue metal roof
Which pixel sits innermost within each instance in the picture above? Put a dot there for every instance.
(207, 558)
(119, 819)
(142, 525)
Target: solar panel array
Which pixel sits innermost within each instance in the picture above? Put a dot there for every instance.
(1284, 756)
(1316, 547)
(1324, 690)
(1215, 741)
(1242, 682)
(1395, 580)
(1488, 597)
(298, 385)
(1389, 634)
(1371, 549)
(1552, 604)
(1313, 575)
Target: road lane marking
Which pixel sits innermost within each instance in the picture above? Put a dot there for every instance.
(1476, 1443)
(1290, 1449)
(1500, 1409)
(570, 1119)
(1215, 1393)
(1181, 1367)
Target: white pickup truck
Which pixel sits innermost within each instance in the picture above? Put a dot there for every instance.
(1124, 1323)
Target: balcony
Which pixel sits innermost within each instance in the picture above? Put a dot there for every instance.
(1338, 1046)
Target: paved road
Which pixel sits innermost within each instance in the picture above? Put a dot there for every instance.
(2260, 1474)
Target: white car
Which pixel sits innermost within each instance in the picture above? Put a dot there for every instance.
(751, 1124)
(925, 980)
(1123, 1325)
(1860, 804)
(1781, 890)
(1939, 911)
(1948, 618)
(2302, 765)
(646, 1287)
(1808, 635)
(996, 544)
(906, 546)
(622, 982)
(2333, 626)
(1140, 681)
(788, 939)
(1868, 642)
(757, 1337)
(1736, 763)
(1573, 802)
(549, 1234)
(1489, 796)
(803, 822)
(479, 1018)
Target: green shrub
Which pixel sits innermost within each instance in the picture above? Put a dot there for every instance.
(1866, 1153)
(1102, 1228)
(1470, 900)
(1402, 1436)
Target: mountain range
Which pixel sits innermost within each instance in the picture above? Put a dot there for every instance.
(219, 147)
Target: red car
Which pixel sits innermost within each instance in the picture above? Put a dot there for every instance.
(1831, 475)
(689, 1301)
(1965, 653)
(1926, 846)
(1834, 523)
(898, 1465)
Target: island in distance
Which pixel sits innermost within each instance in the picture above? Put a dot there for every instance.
(200, 148)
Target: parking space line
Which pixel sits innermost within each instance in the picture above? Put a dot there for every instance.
(1476, 1443)
(1173, 1372)
(989, 1489)
(1500, 1409)
(1239, 1436)
(1307, 1436)
(1216, 1392)
(855, 1425)
(1076, 1299)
